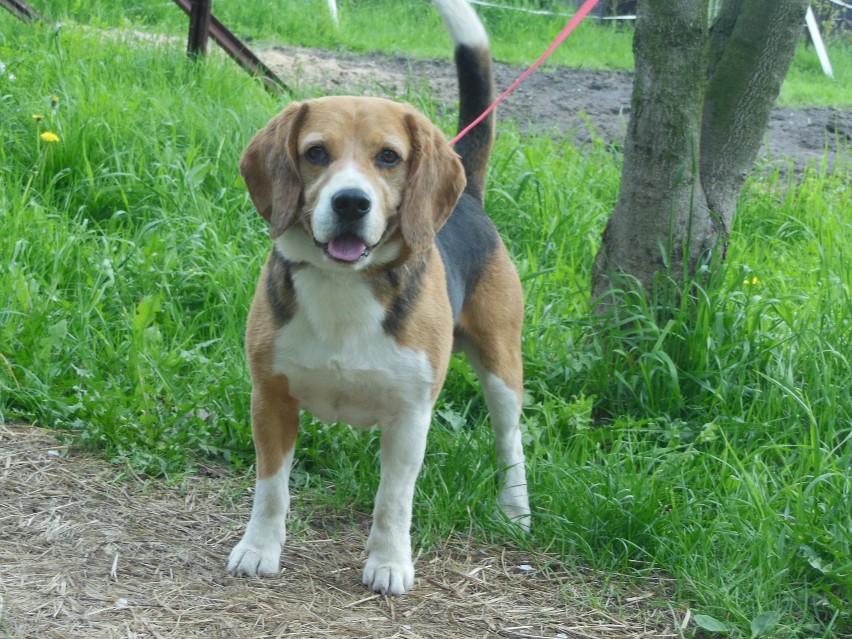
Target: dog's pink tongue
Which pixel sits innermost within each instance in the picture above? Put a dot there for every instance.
(347, 248)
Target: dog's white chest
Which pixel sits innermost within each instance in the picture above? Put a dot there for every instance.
(340, 363)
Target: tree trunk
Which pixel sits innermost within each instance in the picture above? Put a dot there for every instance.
(701, 102)
(751, 48)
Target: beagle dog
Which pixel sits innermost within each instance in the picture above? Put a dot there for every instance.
(383, 262)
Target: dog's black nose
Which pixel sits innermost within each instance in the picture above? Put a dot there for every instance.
(351, 204)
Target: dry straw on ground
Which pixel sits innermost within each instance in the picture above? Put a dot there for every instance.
(85, 552)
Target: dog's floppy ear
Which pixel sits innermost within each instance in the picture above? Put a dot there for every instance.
(435, 182)
(269, 166)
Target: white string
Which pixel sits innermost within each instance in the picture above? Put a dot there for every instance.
(540, 12)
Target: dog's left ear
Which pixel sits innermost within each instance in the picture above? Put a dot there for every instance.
(435, 182)
(269, 166)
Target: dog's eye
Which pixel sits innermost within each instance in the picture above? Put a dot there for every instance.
(317, 155)
(388, 158)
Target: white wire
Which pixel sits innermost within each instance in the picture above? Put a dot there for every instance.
(540, 12)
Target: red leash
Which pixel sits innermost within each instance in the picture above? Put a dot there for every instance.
(572, 24)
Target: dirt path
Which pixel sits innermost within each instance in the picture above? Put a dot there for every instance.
(569, 100)
(89, 551)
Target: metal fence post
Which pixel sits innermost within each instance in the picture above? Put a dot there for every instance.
(199, 28)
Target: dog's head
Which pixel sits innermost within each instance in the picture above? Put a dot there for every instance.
(352, 182)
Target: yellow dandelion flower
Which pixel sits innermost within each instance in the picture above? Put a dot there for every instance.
(37, 117)
(751, 282)
(54, 101)
(49, 136)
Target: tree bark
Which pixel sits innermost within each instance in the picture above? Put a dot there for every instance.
(701, 102)
(750, 53)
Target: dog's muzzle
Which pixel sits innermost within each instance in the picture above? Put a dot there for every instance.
(350, 206)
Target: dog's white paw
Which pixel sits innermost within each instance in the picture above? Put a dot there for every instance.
(518, 516)
(388, 577)
(255, 560)
(516, 506)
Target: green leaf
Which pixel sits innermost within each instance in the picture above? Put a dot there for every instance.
(764, 622)
(145, 312)
(711, 624)
(815, 560)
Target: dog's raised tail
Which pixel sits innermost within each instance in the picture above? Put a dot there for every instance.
(476, 88)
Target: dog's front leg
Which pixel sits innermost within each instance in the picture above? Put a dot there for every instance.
(389, 568)
(275, 423)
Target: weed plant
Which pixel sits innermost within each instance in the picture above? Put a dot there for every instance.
(708, 437)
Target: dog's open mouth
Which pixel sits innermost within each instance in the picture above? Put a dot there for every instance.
(346, 248)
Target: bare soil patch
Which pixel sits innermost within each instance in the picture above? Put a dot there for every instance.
(87, 550)
(575, 101)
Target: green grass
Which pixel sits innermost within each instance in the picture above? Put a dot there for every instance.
(807, 85)
(413, 28)
(712, 442)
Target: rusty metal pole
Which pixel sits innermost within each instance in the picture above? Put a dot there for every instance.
(199, 28)
(234, 48)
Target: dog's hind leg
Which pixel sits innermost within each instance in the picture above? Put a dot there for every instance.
(490, 335)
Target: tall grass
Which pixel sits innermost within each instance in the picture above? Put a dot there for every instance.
(710, 439)
(125, 243)
(713, 432)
